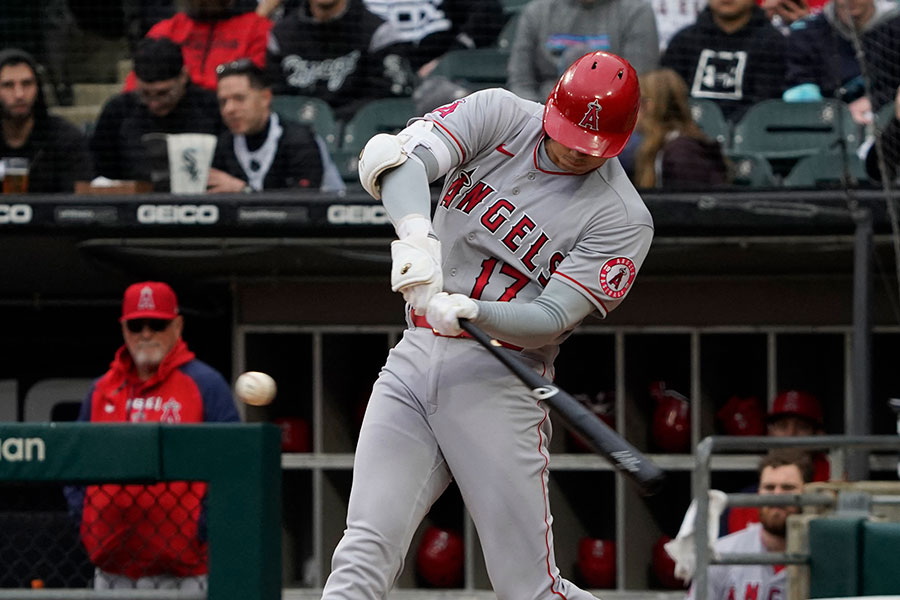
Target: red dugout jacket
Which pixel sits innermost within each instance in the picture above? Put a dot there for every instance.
(141, 530)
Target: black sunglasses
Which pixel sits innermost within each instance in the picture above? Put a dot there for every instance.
(157, 325)
(239, 66)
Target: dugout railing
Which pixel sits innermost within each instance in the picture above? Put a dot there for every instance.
(839, 446)
(241, 463)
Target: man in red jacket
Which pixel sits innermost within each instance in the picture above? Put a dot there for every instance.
(150, 536)
(210, 33)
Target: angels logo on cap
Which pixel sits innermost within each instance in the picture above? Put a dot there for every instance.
(591, 119)
(616, 276)
(145, 302)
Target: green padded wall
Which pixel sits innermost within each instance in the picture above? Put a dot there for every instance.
(881, 567)
(835, 547)
(241, 463)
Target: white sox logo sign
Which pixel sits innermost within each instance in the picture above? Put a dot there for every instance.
(616, 276)
(591, 119)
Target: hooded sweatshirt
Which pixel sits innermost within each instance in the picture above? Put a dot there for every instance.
(206, 43)
(143, 530)
(346, 61)
(56, 150)
(552, 34)
(820, 51)
(736, 69)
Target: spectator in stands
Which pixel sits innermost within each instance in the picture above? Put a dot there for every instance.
(890, 143)
(793, 413)
(426, 29)
(259, 151)
(674, 153)
(821, 59)
(338, 51)
(784, 12)
(781, 471)
(212, 32)
(732, 54)
(552, 34)
(674, 15)
(56, 150)
(881, 48)
(164, 101)
(149, 536)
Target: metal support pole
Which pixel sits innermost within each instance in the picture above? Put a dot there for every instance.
(859, 405)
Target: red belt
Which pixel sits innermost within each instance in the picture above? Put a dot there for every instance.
(421, 321)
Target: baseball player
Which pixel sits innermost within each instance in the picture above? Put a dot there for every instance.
(537, 226)
(781, 471)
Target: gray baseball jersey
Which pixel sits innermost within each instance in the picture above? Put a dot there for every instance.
(509, 221)
(744, 582)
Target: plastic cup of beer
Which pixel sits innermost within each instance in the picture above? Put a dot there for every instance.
(15, 175)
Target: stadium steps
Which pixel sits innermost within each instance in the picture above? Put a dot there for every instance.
(80, 116)
(90, 94)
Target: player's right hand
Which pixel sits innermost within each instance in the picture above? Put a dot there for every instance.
(416, 269)
(445, 310)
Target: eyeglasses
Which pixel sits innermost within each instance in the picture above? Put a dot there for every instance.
(157, 95)
(155, 325)
(236, 67)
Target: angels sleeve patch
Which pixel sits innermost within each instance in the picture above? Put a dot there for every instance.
(616, 276)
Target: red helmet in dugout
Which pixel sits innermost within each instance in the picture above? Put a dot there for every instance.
(597, 562)
(594, 106)
(440, 557)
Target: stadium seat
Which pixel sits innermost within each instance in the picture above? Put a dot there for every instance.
(385, 115)
(508, 33)
(311, 111)
(784, 132)
(709, 117)
(54, 399)
(475, 69)
(826, 169)
(752, 170)
(884, 115)
(9, 400)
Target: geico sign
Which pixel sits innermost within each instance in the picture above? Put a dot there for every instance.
(15, 213)
(357, 214)
(22, 449)
(180, 214)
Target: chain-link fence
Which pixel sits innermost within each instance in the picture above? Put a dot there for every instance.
(107, 536)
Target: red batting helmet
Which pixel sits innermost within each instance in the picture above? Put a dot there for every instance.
(594, 106)
(439, 560)
(597, 562)
(799, 403)
(671, 420)
(742, 416)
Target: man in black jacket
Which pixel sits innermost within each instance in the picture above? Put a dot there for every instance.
(164, 101)
(55, 149)
(259, 151)
(732, 54)
(338, 51)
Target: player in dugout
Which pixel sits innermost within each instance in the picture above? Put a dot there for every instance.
(781, 471)
(536, 228)
(150, 536)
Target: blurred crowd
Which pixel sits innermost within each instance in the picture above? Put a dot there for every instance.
(215, 66)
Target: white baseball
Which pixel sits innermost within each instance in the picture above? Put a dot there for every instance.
(255, 388)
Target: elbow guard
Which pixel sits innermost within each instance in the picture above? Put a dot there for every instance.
(385, 151)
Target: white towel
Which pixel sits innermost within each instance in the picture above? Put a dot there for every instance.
(681, 549)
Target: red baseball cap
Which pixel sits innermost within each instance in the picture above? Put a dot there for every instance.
(799, 403)
(149, 300)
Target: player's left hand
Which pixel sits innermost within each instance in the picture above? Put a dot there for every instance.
(445, 310)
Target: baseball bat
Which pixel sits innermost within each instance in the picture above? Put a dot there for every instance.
(601, 438)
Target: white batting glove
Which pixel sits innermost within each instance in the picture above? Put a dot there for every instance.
(416, 266)
(445, 310)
